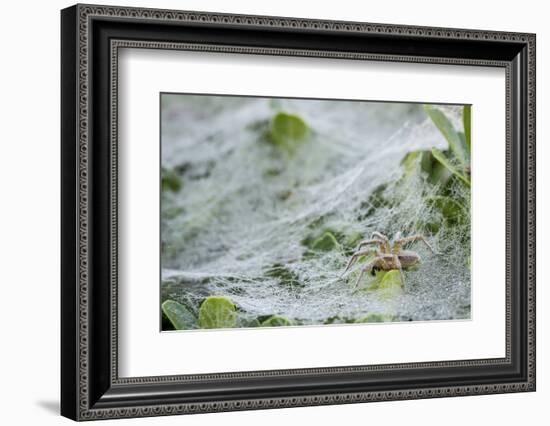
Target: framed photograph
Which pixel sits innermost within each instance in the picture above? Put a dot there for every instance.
(263, 212)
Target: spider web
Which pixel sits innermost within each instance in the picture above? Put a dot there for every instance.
(246, 208)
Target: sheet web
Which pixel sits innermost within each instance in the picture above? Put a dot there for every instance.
(243, 221)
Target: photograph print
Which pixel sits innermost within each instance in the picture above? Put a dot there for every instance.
(312, 212)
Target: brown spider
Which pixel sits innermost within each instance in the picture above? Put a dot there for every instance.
(388, 257)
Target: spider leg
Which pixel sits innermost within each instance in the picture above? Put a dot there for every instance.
(402, 241)
(371, 241)
(386, 240)
(367, 268)
(377, 234)
(397, 263)
(356, 256)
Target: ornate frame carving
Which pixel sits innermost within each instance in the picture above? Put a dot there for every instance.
(84, 396)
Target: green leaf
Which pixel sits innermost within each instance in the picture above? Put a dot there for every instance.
(284, 275)
(467, 121)
(410, 163)
(166, 324)
(440, 174)
(439, 156)
(462, 137)
(452, 210)
(170, 181)
(425, 161)
(217, 312)
(386, 284)
(456, 145)
(326, 242)
(352, 239)
(277, 321)
(376, 318)
(345, 236)
(287, 131)
(371, 284)
(391, 285)
(180, 317)
(248, 322)
(336, 319)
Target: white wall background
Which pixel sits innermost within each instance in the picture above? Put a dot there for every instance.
(29, 211)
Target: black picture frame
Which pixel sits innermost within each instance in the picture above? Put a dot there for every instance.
(90, 386)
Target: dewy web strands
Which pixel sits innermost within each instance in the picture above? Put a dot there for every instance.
(243, 221)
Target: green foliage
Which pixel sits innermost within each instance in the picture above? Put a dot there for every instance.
(451, 210)
(284, 195)
(339, 320)
(447, 211)
(178, 315)
(327, 242)
(248, 322)
(217, 312)
(467, 122)
(437, 173)
(170, 181)
(172, 212)
(439, 156)
(386, 284)
(456, 144)
(277, 321)
(374, 317)
(377, 199)
(284, 275)
(287, 131)
(445, 170)
(330, 237)
(410, 162)
(370, 284)
(272, 172)
(457, 159)
(166, 324)
(391, 285)
(350, 241)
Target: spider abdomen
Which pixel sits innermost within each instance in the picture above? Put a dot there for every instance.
(408, 258)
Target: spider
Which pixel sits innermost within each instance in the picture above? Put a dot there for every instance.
(388, 257)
